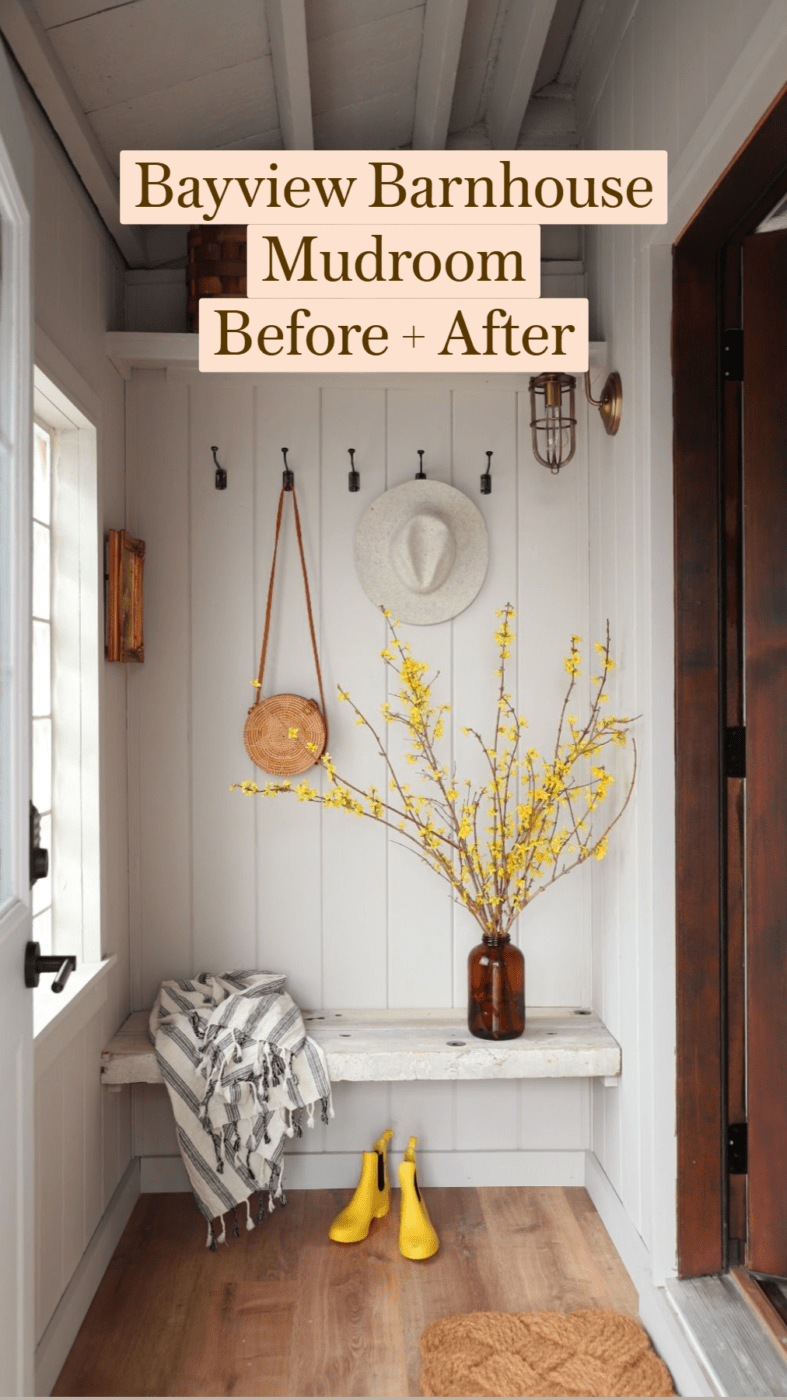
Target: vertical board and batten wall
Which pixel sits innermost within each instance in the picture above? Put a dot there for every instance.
(678, 77)
(219, 880)
(82, 1134)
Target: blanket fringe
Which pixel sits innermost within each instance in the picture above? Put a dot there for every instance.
(234, 1055)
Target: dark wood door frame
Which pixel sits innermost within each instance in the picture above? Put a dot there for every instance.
(704, 702)
(764, 266)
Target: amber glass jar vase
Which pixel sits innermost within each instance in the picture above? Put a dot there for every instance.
(496, 989)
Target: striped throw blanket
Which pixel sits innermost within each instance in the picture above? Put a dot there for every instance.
(241, 1071)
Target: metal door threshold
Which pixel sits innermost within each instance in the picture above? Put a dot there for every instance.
(734, 1347)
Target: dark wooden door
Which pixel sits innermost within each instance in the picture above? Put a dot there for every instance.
(765, 647)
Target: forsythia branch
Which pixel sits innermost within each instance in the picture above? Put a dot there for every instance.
(542, 821)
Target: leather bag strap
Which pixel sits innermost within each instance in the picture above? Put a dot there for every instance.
(264, 652)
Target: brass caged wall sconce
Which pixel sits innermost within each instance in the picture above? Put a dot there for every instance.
(553, 422)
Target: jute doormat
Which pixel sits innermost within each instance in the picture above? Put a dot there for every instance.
(590, 1352)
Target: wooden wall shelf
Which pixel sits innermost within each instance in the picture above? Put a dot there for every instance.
(384, 1046)
(177, 350)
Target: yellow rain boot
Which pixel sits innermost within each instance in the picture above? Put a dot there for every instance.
(372, 1198)
(417, 1235)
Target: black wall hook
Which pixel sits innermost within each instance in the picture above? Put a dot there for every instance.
(486, 477)
(420, 474)
(354, 477)
(287, 477)
(221, 475)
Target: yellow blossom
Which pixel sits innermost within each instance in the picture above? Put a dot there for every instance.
(523, 848)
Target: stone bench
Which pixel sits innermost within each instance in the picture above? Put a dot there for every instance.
(386, 1046)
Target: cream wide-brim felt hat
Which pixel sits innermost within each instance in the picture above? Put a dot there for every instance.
(422, 550)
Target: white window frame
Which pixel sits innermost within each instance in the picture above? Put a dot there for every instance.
(44, 811)
(76, 610)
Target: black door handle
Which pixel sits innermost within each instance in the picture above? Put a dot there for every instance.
(36, 963)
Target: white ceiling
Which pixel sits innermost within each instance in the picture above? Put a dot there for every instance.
(267, 74)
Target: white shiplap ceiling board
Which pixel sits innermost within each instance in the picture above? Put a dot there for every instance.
(258, 141)
(444, 22)
(521, 45)
(385, 123)
(584, 32)
(550, 121)
(132, 51)
(200, 114)
(290, 56)
(333, 16)
(481, 21)
(374, 64)
(350, 74)
(491, 24)
(55, 12)
(554, 51)
(42, 68)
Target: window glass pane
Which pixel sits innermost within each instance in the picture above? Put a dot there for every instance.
(42, 929)
(42, 889)
(42, 764)
(6, 688)
(41, 539)
(41, 668)
(41, 474)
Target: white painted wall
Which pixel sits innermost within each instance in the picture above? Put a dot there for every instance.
(219, 880)
(214, 881)
(83, 1135)
(694, 79)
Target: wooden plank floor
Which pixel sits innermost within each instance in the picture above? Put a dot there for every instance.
(283, 1311)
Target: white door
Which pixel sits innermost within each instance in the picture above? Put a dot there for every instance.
(16, 1005)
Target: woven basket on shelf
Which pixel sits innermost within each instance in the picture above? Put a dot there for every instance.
(216, 265)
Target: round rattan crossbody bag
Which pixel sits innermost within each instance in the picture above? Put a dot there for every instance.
(286, 734)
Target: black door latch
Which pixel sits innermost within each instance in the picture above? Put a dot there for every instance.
(36, 963)
(39, 858)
